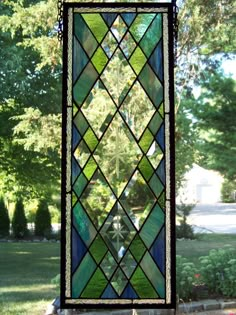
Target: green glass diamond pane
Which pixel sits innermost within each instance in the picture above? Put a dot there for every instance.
(146, 140)
(161, 110)
(140, 25)
(79, 184)
(84, 84)
(83, 224)
(145, 168)
(74, 199)
(96, 24)
(99, 59)
(119, 281)
(152, 36)
(84, 35)
(153, 274)
(82, 275)
(155, 123)
(156, 185)
(98, 249)
(137, 248)
(96, 285)
(142, 285)
(152, 226)
(90, 139)
(90, 168)
(137, 60)
(152, 85)
(162, 200)
(108, 265)
(80, 123)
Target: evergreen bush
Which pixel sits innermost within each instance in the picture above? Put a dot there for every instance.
(184, 230)
(4, 219)
(19, 222)
(43, 220)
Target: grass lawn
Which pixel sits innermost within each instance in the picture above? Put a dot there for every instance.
(26, 270)
(193, 249)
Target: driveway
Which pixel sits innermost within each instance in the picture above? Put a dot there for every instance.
(219, 218)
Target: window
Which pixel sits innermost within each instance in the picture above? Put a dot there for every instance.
(118, 183)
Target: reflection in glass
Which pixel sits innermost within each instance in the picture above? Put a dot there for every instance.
(137, 109)
(118, 232)
(137, 199)
(98, 108)
(97, 199)
(119, 281)
(117, 154)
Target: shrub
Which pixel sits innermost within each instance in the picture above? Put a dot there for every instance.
(43, 220)
(185, 277)
(4, 219)
(228, 191)
(19, 222)
(219, 271)
(184, 230)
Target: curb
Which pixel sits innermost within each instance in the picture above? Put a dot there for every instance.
(201, 306)
(206, 305)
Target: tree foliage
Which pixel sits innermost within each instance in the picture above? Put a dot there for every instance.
(43, 220)
(4, 219)
(215, 113)
(30, 95)
(19, 222)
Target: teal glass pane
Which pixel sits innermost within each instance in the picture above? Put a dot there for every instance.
(140, 25)
(152, 36)
(152, 226)
(84, 84)
(83, 224)
(117, 156)
(80, 58)
(152, 85)
(82, 275)
(153, 274)
(84, 35)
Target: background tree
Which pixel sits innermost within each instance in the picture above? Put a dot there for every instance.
(43, 220)
(215, 112)
(28, 33)
(19, 222)
(4, 219)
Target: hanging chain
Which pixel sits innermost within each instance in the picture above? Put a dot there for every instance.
(60, 20)
(176, 29)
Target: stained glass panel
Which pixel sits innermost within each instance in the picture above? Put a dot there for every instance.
(117, 183)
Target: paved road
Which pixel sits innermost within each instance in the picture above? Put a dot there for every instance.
(219, 217)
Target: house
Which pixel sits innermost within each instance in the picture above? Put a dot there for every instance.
(200, 186)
